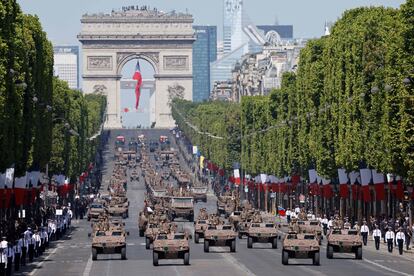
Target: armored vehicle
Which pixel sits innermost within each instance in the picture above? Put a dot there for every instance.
(300, 246)
(220, 235)
(312, 226)
(199, 227)
(262, 233)
(171, 246)
(182, 207)
(344, 241)
(199, 194)
(111, 241)
(118, 210)
(95, 210)
(150, 234)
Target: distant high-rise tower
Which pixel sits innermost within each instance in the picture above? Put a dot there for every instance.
(233, 35)
(66, 64)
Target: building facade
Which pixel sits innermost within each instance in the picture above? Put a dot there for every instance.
(204, 53)
(285, 31)
(66, 64)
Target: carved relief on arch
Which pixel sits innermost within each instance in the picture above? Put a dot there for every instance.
(151, 57)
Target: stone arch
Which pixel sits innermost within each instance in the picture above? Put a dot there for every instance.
(124, 58)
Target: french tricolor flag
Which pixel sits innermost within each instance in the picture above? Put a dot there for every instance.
(138, 77)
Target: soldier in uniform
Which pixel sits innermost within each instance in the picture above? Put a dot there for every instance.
(347, 224)
(3, 256)
(376, 234)
(389, 236)
(400, 238)
(10, 258)
(364, 233)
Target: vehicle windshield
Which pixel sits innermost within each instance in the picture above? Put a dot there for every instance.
(270, 225)
(337, 232)
(314, 223)
(212, 227)
(178, 237)
(292, 237)
(182, 199)
(309, 237)
(96, 206)
(100, 233)
(301, 223)
(255, 224)
(162, 237)
(202, 222)
(117, 234)
(352, 232)
(227, 227)
(237, 213)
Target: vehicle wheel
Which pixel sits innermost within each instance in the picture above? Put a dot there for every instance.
(187, 258)
(89, 219)
(320, 241)
(196, 238)
(141, 233)
(249, 242)
(329, 252)
(155, 258)
(94, 254)
(147, 243)
(285, 257)
(233, 246)
(123, 253)
(274, 243)
(206, 246)
(240, 236)
(316, 258)
(358, 253)
(191, 218)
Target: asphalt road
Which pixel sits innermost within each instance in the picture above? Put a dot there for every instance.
(72, 256)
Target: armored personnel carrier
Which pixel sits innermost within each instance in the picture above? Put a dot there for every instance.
(181, 207)
(95, 210)
(300, 246)
(220, 235)
(199, 194)
(312, 226)
(171, 246)
(262, 233)
(118, 210)
(344, 241)
(200, 226)
(109, 241)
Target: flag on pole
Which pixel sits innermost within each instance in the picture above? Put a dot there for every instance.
(366, 176)
(379, 184)
(138, 77)
(343, 183)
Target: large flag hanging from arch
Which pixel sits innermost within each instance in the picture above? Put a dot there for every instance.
(138, 77)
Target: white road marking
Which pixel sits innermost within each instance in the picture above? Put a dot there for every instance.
(88, 267)
(41, 263)
(236, 263)
(386, 268)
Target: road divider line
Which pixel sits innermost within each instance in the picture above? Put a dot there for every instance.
(41, 263)
(88, 267)
(386, 268)
(237, 264)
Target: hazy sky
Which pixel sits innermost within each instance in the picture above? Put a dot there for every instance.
(61, 18)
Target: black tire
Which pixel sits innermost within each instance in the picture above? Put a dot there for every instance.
(249, 242)
(274, 243)
(240, 236)
(147, 243)
(316, 258)
(285, 257)
(123, 253)
(206, 246)
(320, 241)
(233, 246)
(155, 258)
(141, 232)
(197, 238)
(191, 218)
(358, 253)
(94, 254)
(187, 258)
(329, 252)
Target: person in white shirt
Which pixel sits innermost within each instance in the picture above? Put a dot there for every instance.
(400, 237)
(25, 249)
(389, 237)
(364, 233)
(3, 256)
(38, 243)
(376, 235)
(288, 215)
(31, 247)
(324, 223)
(297, 210)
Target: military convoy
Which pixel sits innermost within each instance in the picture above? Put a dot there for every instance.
(199, 194)
(300, 246)
(344, 241)
(111, 241)
(95, 210)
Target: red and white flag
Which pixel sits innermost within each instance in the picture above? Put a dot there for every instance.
(138, 77)
(379, 184)
(365, 180)
(343, 183)
(237, 177)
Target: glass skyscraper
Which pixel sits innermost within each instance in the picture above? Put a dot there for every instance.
(66, 64)
(204, 52)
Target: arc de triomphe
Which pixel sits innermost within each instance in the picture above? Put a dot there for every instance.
(109, 41)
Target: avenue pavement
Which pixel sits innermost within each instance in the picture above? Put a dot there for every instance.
(72, 256)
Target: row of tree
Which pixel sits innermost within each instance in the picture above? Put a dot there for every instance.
(42, 121)
(349, 105)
